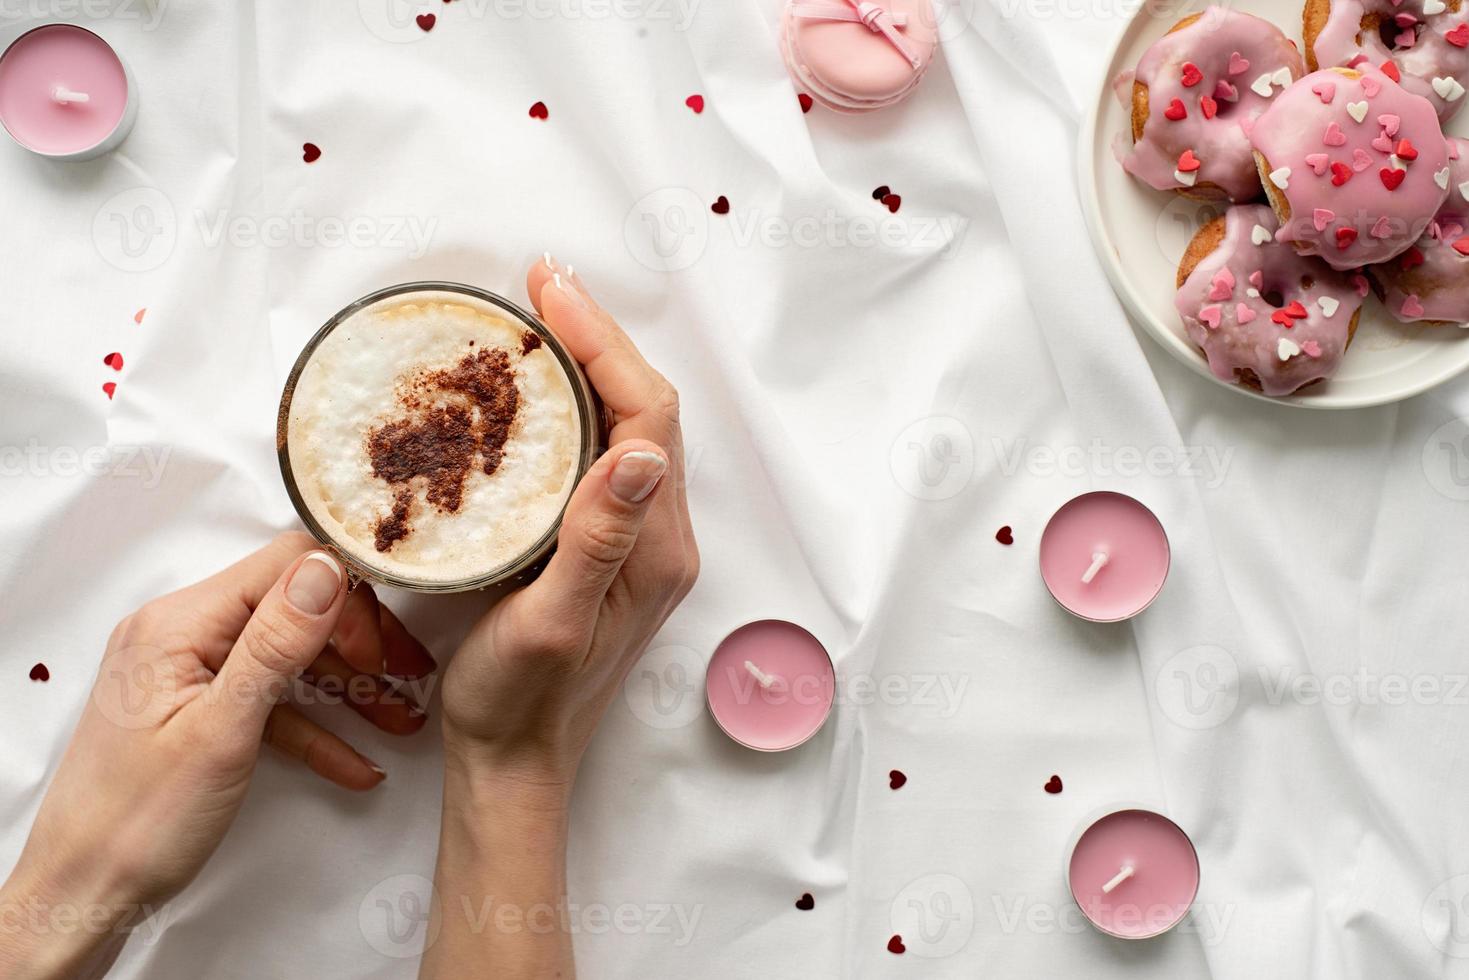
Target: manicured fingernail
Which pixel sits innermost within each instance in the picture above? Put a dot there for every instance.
(373, 765)
(314, 587)
(550, 262)
(636, 474)
(577, 298)
(414, 711)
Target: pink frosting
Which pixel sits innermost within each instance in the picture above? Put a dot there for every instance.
(1422, 45)
(1430, 281)
(850, 68)
(1336, 150)
(1201, 101)
(1227, 309)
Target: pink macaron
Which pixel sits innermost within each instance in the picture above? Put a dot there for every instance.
(858, 56)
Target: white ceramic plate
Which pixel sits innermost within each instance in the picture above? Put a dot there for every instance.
(1140, 233)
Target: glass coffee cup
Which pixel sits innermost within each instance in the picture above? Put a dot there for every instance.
(430, 435)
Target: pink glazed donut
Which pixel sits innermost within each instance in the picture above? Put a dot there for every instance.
(1424, 44)
(1263, 314)
(1195, 94)
(858, 56)
(1430, 281)
(1354, 165)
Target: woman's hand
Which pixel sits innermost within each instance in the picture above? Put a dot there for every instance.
(530, 683)
(163, 754)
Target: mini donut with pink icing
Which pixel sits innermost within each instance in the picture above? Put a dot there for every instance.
(1354, 165)
(1263, 314)
(1195, 94)
(1430, 281)
(1424, 44)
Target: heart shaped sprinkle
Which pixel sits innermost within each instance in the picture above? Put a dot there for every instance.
(1459, 36)
(695, 102)
(1281, 317)
(1462, 246)
(720, 205)
(1329, 305)
(1412, 307)
(426, 22)
(1238, 65)
(1286, 348)
(1053, 785)
(1431, 7)
(805, 101)
(1391, 177)
(1411, 258)
(1360, 160)
(1345, 237)
(1390, 69)
(1175, 111)
(1333, 135)
(1370, 86)
(1191, 74)
(1209, 316)
(1005, 536)
(310, 152)
(892, 202)
(1186, 179)
(1321, 217)
(1389, 123)
(109, 388)
(896, 779)
(1357, 110)
(1280, 177)
(1187, 162)
(1259, 234)
(1209, 106)
(881, 191)
(1282, 77)
(1222, 285)
(1448, 88)
(805, 903)
(1441, 178)
(40, 673)
(1406, 150)
(539, 111)
(1325, 91)
(1317, 162)
(1294, 309)
(1261, 86)
(1257, 278)
(1406, 39)
(113, 360)
(138, 316)
(1382, 228)
(1225, 92)
(1382, 143)
(1243, 314)
(1311, 349)
(1360, 283)
(1340, 173)
(895, 945)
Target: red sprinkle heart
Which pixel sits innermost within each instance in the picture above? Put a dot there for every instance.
(1191, 74)
(539, 111)
(1390, 69)
(1412, 257)
(695, 102)
(113, 360)
(892, 202)
(881, 192)
(805, 100)
(1187, 162)
(1406, 150)
(1462, 246)
(310, 152)
(720, 205)
(1004, 535)
(1175, 111)
(1281, 317)
(1459, 36)
(1340, 173)
(1209, 106)
(1345, 237)
(109, 388)
(426, 22)
(805, 903)
(896, 779)
(40, 673)
(1295, 309)
(895, 945)
(1391, 178)
(1053, 785)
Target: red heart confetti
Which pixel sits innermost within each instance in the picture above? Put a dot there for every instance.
(892, 202)
(426, 22)
(539, 111)
(695, 102)
(113, 360)
(1345, 237)
(1187, 162)
(895, 945)
(1391, 177)
(1406, 150)
(805, 903)
(1295, 309)
(310, 152)
(138, 316)
(1412, 257)
(1053, 785)
(882, 191)
(1281, 317)
(1391, 71)
(1209, 106)
(1175, 111)
(1462, 246)
(40, 673)
(805, 100)
(109, 388)
(1191, 74)
(1340, 173)
(1459, 36)
(720, 205)
(896, 779)
(1004, 535)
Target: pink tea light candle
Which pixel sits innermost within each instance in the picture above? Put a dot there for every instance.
(65, 93)
(770, 685)
(1133, 873)
(1104, 556)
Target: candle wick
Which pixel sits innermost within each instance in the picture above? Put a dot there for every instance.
(763, 679)
(1117, 879)
(1099, 558)
(66, 96)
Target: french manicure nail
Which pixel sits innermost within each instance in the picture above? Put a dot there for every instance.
(313, 588)
(577, 298)
(373, 766)
(636, 474)
(550, 262)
